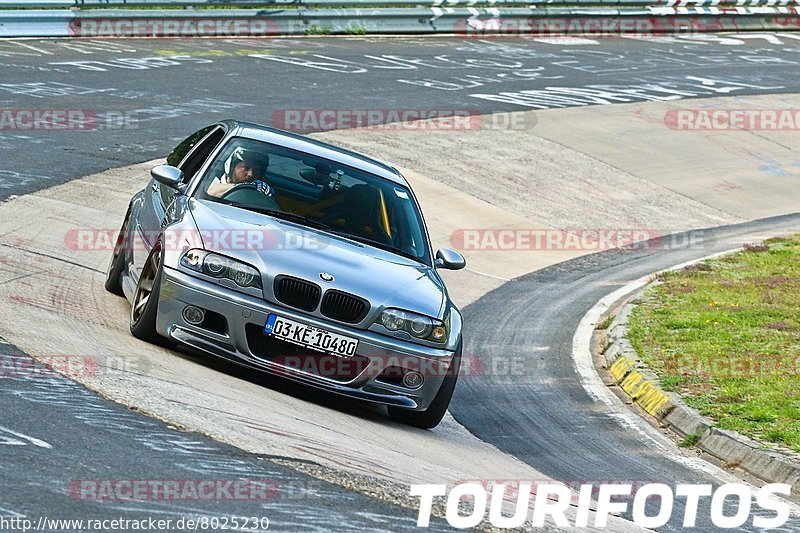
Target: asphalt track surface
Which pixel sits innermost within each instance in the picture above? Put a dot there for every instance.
(67, 453)
(150, 104)
(150, 94)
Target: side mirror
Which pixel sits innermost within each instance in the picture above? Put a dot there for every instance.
(449, 259)
(170, 176)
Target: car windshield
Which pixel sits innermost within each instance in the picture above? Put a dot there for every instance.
(318, 193)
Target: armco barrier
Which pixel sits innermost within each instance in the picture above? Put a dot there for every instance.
(51, 23)
(108, 18)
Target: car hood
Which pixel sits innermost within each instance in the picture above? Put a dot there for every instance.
(280, 247)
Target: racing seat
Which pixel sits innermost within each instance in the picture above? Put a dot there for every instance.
(319, 175)
(361, 211)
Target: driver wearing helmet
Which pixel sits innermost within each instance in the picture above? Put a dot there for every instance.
(243, 166)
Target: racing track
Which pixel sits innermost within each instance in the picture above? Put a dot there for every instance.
(66, 442)
(554, 429)
(150, 94)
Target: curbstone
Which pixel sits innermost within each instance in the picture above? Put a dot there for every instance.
(683, 421)
(611, 354)
(640, 388)
(621, 320)
(746, 453)
(621, 367)
(725, 446)
(615, 333)
(774, 466)
(643, 388)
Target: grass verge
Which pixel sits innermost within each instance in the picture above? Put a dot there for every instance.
(726, 335)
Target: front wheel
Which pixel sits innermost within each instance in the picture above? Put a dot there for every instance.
(430, 417)
(145, 300)
(117, 264)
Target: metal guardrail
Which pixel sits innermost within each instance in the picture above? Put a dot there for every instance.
(117, 18)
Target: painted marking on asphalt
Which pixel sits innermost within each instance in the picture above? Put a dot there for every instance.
(565, 40)
(35, 49)
(696, 463)
(10, 179)
(21, 439)
(50, 89)
(487, 275)
(581, 353)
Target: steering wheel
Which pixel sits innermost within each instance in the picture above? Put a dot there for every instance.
(248, 194)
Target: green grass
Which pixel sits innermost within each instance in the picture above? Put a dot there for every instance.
(317, 30)
(689, 440)
(603, 324)
(726, 335)
(355, 30)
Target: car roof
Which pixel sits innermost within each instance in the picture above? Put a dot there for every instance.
(314, 147)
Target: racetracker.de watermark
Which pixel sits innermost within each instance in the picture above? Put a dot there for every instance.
(174, 27)
(92, 240)
(237, 489)
(53, 120)
(407, 119)
(70, 365)
(394, 367)
(603, 26)
(149, 523)
(733, 119)
(758, 366)
(573, 239)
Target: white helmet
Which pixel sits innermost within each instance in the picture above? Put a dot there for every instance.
(253, 157)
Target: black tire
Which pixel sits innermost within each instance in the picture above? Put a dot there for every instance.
(117, 264)
(144, 308)
(431, 417)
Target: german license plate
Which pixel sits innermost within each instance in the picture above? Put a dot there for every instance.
(310, 337)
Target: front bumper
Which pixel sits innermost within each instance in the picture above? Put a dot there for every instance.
(371, 375)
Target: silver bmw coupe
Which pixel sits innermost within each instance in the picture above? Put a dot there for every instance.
(294, 257)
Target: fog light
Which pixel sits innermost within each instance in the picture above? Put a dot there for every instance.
(413, 379)
(193, 315)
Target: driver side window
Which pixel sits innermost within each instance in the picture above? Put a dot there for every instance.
(179, 153)
(199, 154)
(190, 155)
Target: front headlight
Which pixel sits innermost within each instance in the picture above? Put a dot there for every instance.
(219, 266)
(419, 326)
